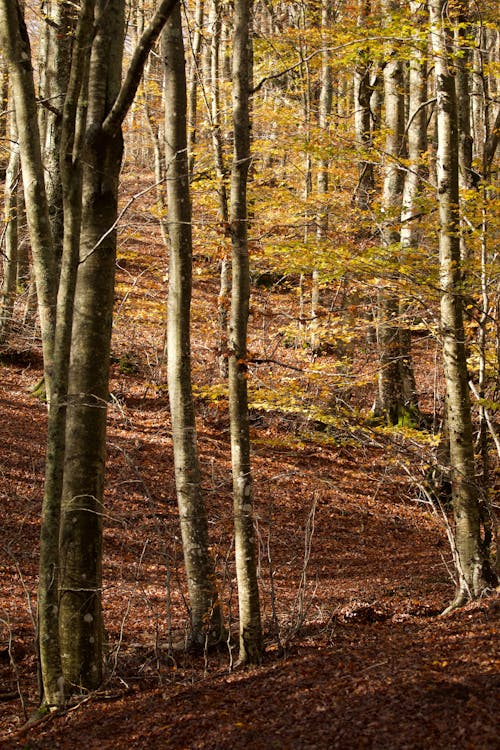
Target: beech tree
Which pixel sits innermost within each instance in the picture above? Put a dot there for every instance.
(206, 618)
(16, 43)
(70, 594)
(472, 567)
(12, 190)
(244, 540)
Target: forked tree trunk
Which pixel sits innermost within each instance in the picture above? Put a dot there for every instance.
(71, 130)
(248, 590)
(81, 628)
(472, 567)
(206, 621)
(82, 507)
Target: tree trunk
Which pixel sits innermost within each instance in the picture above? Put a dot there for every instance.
(416, 131)
(8, 290)
(248, 590)
(363, 118)
(472, 568)
(390, 399)
(81, 628)
(206, 621)
(196, 45)
(70, 171)
(80, 621)
(61, 19)
(15, 40)
(322, 181)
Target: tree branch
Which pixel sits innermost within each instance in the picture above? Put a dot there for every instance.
(134, 73)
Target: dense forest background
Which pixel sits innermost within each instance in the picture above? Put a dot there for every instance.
(250, 347)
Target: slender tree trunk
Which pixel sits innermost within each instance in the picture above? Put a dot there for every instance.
(4, 121)
(248, 590)
(363, 118)
(8, 289)
(15, 41)
(472, 568)
(322, 181)
(416, 131)
(61, 19)
(206, 622)
(391, 400)
(196, 52)
(221, 177)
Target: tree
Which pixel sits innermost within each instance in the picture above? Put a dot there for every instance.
(473, 573)
(15, 41)
(70, 617)
(248, 590)
(12, 189)
(391, 398)
(80, 622)
(363, 90)
(206, 618)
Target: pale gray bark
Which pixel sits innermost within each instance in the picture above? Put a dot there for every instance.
(15, 41)
(194, 75)
(206, 621)
(12, 183)
(70, 172)
(80, 622)
(470, 563)
(221, 177)
(322, 179)
(80, 619)
(60, 21)
(416, 135)
(390, 397)
(248, 591)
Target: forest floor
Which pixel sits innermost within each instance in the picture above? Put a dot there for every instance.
(354, 567)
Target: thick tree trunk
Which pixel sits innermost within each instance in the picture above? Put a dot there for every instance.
(80, 621)
(206, 622)
(70, 171)
(248, 590)
(472, 568)
(81, 628)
